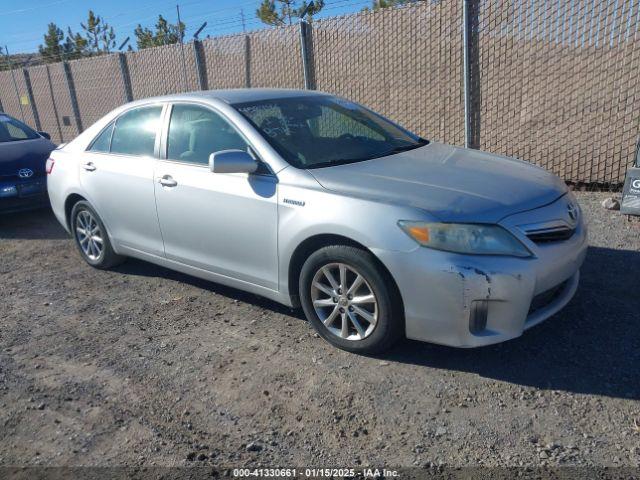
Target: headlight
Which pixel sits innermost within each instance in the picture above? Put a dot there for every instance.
(8, 191)
(475, 239)
(575, 212)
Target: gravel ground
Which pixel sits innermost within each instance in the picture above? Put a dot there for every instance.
(142, 366)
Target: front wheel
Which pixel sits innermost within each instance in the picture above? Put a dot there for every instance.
(349, 299)
(91, 237)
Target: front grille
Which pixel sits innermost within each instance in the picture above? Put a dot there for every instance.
(546, 298)
(13, 177)
(546, 235)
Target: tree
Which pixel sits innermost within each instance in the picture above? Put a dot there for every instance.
(378, 4)
(75, 45)
(285, 12)
(52, 50)
(100, 36)
(55, 50)
(165, 34)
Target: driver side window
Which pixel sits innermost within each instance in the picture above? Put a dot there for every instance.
(196, 132)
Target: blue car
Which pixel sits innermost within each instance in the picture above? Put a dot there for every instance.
(23, 157)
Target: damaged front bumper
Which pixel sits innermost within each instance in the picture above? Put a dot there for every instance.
(471, 300)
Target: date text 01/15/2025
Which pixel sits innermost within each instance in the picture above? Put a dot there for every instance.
(313, 472)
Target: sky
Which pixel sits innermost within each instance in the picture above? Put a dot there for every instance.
(24, 22)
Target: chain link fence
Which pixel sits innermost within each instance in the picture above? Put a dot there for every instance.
(404, 63)
(559, 85)
(554, 82)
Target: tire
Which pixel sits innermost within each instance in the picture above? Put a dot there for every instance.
(374, 297)
(95, 249)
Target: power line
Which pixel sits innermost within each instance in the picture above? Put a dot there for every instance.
(30, 9)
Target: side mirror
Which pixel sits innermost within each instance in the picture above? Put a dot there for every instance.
(232, 161)
(45, 135)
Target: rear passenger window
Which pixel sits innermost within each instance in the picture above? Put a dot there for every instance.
(197, 132)
(102, 142)
(135, 131)
(16, 132)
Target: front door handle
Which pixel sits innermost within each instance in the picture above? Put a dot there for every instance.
(167, 181)
(89, 166)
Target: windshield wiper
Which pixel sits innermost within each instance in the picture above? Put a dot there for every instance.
(403, 148)
(335, 163)
(343, 161)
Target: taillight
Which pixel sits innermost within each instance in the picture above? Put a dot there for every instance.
(50, 163)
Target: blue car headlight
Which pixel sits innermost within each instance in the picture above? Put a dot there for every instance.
(8, 191)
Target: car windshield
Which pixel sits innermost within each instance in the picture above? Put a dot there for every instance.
(322, 131)
(11, 130)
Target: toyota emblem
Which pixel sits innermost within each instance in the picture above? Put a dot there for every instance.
(25, 173)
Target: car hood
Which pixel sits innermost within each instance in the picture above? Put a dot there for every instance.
(454, 184)
(31, 154)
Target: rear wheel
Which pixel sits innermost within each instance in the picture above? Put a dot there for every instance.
(349, 299)
(91, 237)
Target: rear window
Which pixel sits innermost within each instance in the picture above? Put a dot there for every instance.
(102, 143)
(12, 130)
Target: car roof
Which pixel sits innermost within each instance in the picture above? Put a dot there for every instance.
(238, 95)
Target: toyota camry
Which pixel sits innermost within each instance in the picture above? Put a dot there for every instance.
(315, 201)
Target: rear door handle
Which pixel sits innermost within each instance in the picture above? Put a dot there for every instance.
(167, 181)
(89, 166)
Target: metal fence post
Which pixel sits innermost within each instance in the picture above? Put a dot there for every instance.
(126, 77)
(201, 66)
(305, 28)
(466, 72)
(53, 103)
(15, 86)
(471, 72)
(32, 101)
(72, 94)
(247, 61)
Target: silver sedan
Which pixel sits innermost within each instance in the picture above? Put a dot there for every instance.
(315, 201)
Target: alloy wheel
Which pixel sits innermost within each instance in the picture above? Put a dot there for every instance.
(344, 301)
(89, 235)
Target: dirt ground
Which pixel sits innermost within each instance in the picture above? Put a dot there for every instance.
(142, 366)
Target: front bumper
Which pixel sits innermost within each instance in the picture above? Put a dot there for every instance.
(23, 195)
(442, 291)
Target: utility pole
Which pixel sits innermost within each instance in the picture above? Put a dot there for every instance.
(244, 27)
(184, 62)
